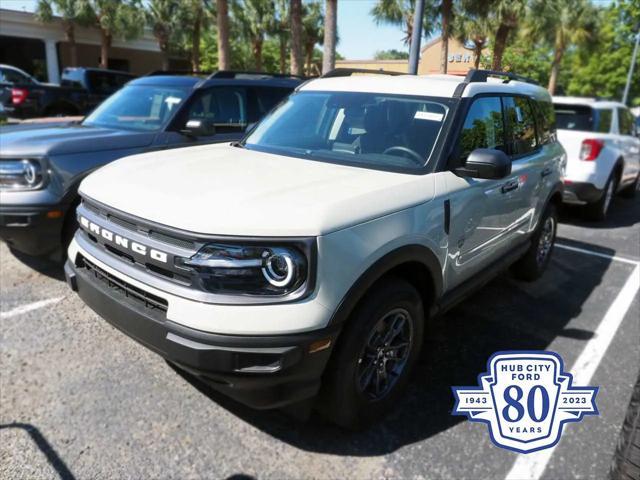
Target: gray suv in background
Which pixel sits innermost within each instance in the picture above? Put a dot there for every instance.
(41, 167)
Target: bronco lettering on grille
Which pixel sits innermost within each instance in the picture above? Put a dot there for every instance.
(123, 242)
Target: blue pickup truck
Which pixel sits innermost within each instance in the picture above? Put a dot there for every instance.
(41, 167)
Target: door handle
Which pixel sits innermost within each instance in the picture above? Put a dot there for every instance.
(509, 186)
(547, 171)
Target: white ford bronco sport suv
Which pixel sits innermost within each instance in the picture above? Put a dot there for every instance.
(303, 262)
(603, 152)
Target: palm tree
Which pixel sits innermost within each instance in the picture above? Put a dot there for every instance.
(507, 13)
(446, 17)
(162, 16)
(295, 13)
(312, 31)
(400, 13)
(330, 35)
(196, 9)
(255, 20)
(71, 14)
(114, 18)
(561, 24)
(474, 30)
(222, 21)
(281, 30)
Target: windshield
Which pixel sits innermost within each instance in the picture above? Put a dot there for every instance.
(361, 129)
(136, 107)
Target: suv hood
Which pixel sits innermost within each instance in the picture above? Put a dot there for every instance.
(226, 190)
(65, 139)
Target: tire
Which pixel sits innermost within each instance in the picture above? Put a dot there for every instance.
(598, 210)
(391, 305)
(631, 190)
(626, 459)
(535, 261)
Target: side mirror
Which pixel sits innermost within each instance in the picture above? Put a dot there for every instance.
(486, 163)
(199, 127)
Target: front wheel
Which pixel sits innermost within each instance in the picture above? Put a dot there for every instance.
(375, 355)
(533, 264)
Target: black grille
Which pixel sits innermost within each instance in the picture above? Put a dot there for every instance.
(136, 294)
(151, 232)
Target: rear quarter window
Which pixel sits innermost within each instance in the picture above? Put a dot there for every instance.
(546, 117)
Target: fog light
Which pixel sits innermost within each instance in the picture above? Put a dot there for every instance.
(319, 345)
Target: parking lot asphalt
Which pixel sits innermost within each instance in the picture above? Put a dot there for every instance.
(79, 399)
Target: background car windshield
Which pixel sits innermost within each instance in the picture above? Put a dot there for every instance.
(362, 129)
(138, 108)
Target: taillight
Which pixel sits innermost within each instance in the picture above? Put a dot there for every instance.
(590, 149)
(18, 95)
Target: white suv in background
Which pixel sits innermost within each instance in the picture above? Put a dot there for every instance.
(603, 151)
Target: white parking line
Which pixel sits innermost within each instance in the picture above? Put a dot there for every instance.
(22, 309)
(598, 254)
(531, 466)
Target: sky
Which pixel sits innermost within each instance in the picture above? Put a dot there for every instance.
(360, 37)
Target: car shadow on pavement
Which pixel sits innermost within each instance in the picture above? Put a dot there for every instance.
(503, 315)
(623, 212)
(44, 265)
(45, 447)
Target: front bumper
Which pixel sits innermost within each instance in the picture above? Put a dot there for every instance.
(259, 371)
(581, 193)
(30, 229)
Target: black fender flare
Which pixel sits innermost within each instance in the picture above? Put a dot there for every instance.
(405, 254)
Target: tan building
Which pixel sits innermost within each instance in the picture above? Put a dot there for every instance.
(460, 60)
(40, 48)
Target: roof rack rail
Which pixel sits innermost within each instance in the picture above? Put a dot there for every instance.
(347, 72)
(155, 73)
(235, 73)
(474, 75)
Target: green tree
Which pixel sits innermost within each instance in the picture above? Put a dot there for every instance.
(602, 70)
(162, 17)
(507, 17)
(281, 30)
(312, 31)
(392, 54)
(561, 24)
(473, 31)
(71, 14)
(525, 58)
(400, 13)
(255, 19)
(114, 18)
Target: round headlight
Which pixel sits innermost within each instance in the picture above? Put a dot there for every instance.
(279, 269)
(31, 172)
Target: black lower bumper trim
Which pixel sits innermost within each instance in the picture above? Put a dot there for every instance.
(259, 371)
(581, 192)
(29, 230)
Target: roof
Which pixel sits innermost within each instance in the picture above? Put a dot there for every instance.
(422, 85)
(198, 81)
(94, 69)
(587, 101)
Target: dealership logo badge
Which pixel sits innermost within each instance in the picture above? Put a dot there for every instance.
(525, 398)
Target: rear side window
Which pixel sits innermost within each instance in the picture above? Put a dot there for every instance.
(226, 107)
(625, 121)
(268, 98)
(105, 83)
(605, 116)
(521, 125)
(574, 117)
(483, 127)
(546, 122)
